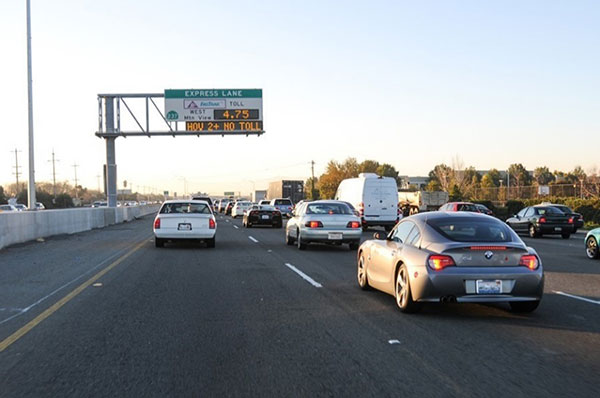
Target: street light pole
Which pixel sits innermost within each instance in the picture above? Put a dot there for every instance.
(31, 193)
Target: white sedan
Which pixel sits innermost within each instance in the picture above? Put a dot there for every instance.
(185, 220)
(239, 208)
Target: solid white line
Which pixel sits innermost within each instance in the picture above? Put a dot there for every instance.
(303, 275)
(252, 239)
(577, 297)
(236, 227)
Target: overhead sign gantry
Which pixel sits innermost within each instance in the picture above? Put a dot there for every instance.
(199, 111)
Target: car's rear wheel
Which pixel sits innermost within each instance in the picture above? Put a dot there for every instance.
(158, 242)
(288, 239)
(523, 306)
(248, 224)
(211, 243)
(591, 248)
(566, 235)
(404, 299)
(301, 244)
(533, 232)
(361, 274)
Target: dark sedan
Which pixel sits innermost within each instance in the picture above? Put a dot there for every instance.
(540, 220)
(577, 218)
(262, 215)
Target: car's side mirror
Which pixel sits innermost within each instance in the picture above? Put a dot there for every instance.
(379, 236)
(516, 216)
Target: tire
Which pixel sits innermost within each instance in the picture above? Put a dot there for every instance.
(402, 292)
(301, 245)
(365, 228)
(566, 235)
(523, 306)
(159, 242)
(248, 225)
(353, 246)
(533, 233)
(210, 243)
(361, 274)
(288, 239)
(591, 248)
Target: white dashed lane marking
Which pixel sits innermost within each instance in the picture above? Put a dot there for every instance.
(252, 239)
(304, 276)
(577, 297)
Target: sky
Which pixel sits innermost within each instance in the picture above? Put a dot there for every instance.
(413, 84)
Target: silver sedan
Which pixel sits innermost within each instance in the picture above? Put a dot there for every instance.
(452, 257)
(323, 221)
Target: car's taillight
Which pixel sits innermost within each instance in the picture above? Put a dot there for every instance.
(530, 261)
(438, 262)
(353, 224)
(211, 223)
(157, 223)
(542, 220)
(570, 220)
(314, 224)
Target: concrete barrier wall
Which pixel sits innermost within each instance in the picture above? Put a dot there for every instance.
(19, 227)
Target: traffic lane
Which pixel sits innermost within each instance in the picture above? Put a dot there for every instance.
(185, 320)
(35, 275)
(560, 332)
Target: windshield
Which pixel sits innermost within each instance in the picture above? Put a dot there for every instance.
(471, 230)
(185, 207)
(328, 208)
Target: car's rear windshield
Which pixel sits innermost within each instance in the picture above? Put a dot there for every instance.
(286, 202)
(564, 209)
(328, 208)
(471, 230)
(205, 198)
(548, 210)
(185, 207)
(266, 208)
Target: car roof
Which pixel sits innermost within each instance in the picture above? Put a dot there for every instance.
(185, 201)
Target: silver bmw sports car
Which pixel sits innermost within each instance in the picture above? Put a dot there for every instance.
(452, 257)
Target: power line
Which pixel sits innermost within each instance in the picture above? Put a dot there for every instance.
(17, 173)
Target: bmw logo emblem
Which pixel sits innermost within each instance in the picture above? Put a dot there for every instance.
(488, 254)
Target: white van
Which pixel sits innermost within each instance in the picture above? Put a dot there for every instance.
(375, 198)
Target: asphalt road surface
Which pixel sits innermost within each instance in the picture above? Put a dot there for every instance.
(105, 313)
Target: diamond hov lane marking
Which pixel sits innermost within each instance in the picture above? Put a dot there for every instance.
(304, 276)
(577, 297)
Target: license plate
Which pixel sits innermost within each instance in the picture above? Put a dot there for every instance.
(557, 228)
(265, 217)
(489, 287)
(334, 236)
(184, 227)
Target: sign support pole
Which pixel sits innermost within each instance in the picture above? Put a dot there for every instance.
(111, 161)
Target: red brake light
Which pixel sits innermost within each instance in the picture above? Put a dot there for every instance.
(157, 223)
(488, 247)
(542, 219)
(314, 224)
(211, 223)
(570, 220)
(353, 224)
(530, 261)
(438, 262)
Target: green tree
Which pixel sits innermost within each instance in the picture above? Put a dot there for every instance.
(443, 174)
(387, 170)
(368, 166)
(310, 194)
(519, 175)
(487, 181)
(455, 194)
(542, 175)
(496, 177)
(2, 196)
(433, 185)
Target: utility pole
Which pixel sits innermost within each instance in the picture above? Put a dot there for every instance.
(31, 193)
(312, 168)
(75, 166)
(16, 167)
(98, 178)
(53, 175)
